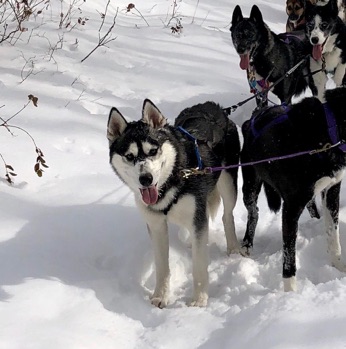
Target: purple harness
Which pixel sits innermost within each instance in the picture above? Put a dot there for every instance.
(333, 129)
(278, 120)
(330, 118)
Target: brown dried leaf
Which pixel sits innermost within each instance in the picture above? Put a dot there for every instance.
(33, 99)
(129, 7)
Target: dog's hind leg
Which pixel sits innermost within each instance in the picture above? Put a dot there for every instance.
(251, 189)
(313, 210)
(290, 216)
(158, 231)
(200, 266)
(228, 191)
(330, 201)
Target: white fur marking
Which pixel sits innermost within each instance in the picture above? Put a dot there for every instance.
(327, 182)
(290, 284)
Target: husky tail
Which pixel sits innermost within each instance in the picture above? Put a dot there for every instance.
(273, 198)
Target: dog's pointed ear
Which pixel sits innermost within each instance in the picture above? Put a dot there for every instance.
(256, 14)
(308, 7)
(333, 6)
(237, 15)
(116, 125)
(151, 115)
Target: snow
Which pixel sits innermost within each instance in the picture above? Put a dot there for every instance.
(76, 264)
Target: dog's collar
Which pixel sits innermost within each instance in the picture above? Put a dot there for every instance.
(333, 128)
(257, 85)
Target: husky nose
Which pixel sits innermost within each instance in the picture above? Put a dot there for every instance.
(314, 40)
(146, 179)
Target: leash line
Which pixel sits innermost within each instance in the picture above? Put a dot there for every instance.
(208, 170)
(234, 107)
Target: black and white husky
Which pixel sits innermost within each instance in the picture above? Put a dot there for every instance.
(340, 3)
(296, 133)
(327, 33)
(267, 57)
(150, 156)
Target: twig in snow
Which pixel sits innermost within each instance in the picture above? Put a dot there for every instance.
(105, 39)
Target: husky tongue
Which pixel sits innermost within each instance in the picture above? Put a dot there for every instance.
(317, 52)
(149, 195)
(244, 61)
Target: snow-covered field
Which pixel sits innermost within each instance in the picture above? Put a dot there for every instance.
(76, 265)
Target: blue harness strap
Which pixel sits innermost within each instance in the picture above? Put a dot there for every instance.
(198, 155)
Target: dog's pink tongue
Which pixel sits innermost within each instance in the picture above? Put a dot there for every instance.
(149, 195)
(244, 61)
(317, 52)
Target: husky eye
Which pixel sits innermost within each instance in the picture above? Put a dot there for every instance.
(153, 152)
(324, 25)
(129, 157)
(310, 25)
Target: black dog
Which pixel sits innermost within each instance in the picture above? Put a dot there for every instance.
(279, 131)
(267, 57)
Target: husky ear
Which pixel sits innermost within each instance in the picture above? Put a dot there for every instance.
(152, 116)
(333, 6)
(256, 14)
(116, 125)
(237, 15)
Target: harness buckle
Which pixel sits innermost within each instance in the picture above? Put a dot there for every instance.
(188, 172)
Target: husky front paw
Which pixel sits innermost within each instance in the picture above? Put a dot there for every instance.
(234, 250)
(159, 302)
(245, 251)
(200, 301)
(290, 284)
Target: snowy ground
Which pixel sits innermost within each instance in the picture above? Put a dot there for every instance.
(76, 265)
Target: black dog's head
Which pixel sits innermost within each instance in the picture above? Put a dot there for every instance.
(246, 33)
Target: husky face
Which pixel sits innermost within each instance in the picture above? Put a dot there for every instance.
(244, 33)
(140, 152)
(320, 25)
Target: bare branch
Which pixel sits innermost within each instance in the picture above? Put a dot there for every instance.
(104, 40)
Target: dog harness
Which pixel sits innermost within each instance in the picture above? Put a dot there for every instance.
(277, 120)
(333, 129)
(330, 119)
(192, 138)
